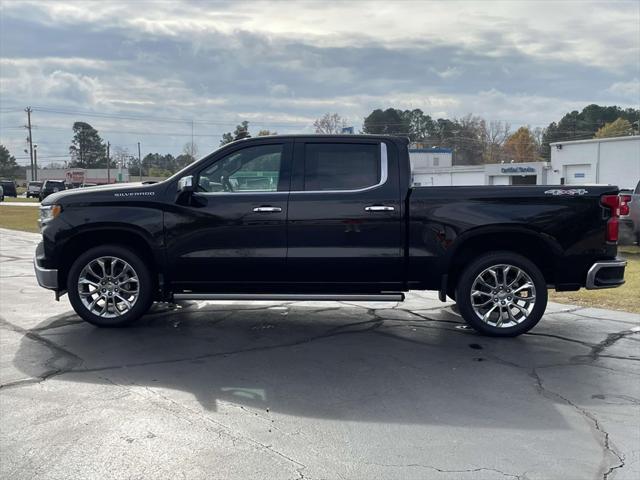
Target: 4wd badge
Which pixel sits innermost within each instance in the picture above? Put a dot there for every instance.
(566, 191)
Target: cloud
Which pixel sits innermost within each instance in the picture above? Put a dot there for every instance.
(629, 90)
(221, 62)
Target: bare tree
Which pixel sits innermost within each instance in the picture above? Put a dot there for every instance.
(538, 135)
(190, 149)
(266, 133)
(330, 123)
(494, 134)
(120, 155)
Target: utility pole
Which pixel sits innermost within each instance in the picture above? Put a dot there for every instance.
(35, 162)
(108, 164)
(28, 110)
(140, 161)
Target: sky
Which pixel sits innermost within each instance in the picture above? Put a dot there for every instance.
(158, 72)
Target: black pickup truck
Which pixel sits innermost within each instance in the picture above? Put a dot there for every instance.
(325, 218)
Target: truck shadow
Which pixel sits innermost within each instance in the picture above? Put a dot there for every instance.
(328, 362)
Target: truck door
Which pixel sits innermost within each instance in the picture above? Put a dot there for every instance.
(344, 225)
(231, 235)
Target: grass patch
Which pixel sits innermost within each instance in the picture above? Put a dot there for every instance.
(20, 199)
(625, 298)
(19, 218)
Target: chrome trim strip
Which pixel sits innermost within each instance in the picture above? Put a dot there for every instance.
(47, 278)
(298, 297)
(596, 267)
(384, 175)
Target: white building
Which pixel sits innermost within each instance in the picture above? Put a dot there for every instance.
(427, 158)
(613, 161)
(434, 167)
(524, 173)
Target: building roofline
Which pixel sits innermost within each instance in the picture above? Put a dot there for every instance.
(431, 150)
(453, 168)
(597, 140)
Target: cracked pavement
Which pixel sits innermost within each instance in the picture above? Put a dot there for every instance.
(289, 390)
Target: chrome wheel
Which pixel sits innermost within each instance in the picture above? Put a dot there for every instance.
(108, 287)
(503, 296)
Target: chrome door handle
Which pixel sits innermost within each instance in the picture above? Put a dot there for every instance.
(379, 208)
(267, 209)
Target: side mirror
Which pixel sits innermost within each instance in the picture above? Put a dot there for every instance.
(185, 184)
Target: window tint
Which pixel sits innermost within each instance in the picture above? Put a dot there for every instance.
(252, 169)
(346, 166)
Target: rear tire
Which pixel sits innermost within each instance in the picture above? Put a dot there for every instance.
(110, 286)
(502, 294)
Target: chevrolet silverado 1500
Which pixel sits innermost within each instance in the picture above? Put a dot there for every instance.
(325, 218)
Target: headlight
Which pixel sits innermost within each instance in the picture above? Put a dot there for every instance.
(49, 212)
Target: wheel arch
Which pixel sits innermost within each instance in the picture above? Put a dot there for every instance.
(127, 236)
(539, 248)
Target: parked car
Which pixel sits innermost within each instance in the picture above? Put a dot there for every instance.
(1, 194)
(9, 187)
(33, 189)
(332, 218)
(630, 215)
(85, 185)
(51, 186)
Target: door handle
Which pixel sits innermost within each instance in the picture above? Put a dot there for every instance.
(267, 209)
(379, 208)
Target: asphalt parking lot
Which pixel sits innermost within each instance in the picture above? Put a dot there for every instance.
(310, 390)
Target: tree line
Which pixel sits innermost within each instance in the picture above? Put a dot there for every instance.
(472, 139)
(475, 140)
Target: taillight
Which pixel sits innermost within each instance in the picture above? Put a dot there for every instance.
(613, 227)
(624, 204)
(613, 203)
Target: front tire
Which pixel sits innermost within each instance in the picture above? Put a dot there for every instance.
(502, 294)
(110, 286)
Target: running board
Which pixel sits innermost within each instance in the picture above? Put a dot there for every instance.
(296, 297)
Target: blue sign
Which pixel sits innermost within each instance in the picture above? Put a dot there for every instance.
(348, 130)
(578, 175)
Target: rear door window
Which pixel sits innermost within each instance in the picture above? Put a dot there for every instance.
(341, 166)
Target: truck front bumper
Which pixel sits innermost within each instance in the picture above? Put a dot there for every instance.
(47, 277)
(606, 274)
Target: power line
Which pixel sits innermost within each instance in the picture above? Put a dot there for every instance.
(130, 132)
(164, 119)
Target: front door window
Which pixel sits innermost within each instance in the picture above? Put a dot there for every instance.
(253, 169)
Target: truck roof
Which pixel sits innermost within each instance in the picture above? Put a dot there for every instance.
(324, 136)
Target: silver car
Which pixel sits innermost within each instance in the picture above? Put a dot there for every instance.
(33, 189)
(630, 223)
